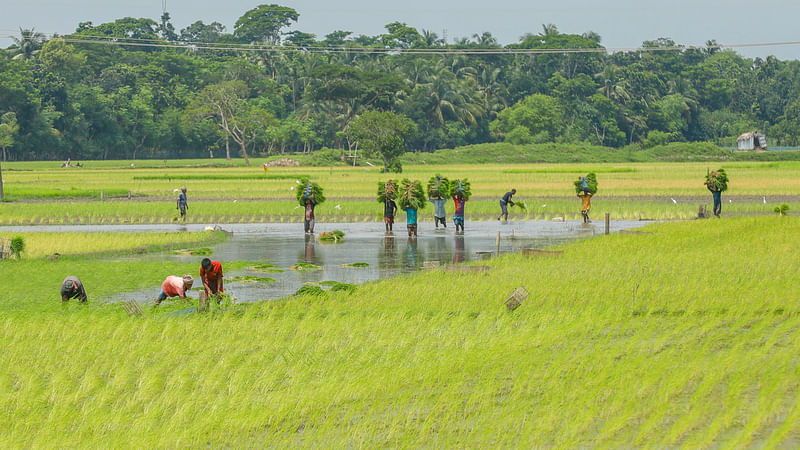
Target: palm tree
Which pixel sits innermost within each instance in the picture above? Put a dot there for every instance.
(28, 44)
(431, 39)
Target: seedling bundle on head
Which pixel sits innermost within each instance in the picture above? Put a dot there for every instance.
(307, 189)
(411, 194)
(461, 186)
(438, 187)
(387, 191)
(717, 180)
(587, 184)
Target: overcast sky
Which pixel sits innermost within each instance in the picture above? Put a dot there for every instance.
(620, 23)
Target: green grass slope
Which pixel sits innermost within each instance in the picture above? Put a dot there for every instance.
(687, 336)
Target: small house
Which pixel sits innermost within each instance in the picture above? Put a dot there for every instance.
(751, 141)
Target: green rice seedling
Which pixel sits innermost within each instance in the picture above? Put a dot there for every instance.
(438, 187)
(302, 266)
(356, 264)
(387, 190)
(250, 279)
(310, 291)
(307, 189)
(782, 210)
(335, 236)
(411, 194)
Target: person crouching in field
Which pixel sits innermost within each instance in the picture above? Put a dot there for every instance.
(458, 215)
(174, 286)
(586, 205)
(72, 287)
(308, 223)
(182, 203)
(211, 274)
(439, 214)
(389, 210)
(411, 220)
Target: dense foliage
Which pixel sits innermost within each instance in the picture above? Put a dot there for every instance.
(210, 90)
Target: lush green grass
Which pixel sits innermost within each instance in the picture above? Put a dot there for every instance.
(683, 337)
(627, 191)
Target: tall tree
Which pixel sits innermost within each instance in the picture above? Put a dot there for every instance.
(263, 24)
(28, 43)
(382, 134)
(8, 129)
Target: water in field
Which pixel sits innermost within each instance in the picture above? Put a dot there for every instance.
(284, 245)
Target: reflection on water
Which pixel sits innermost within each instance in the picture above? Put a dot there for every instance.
(386, 253)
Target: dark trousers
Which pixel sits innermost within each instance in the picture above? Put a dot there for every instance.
(717, 202)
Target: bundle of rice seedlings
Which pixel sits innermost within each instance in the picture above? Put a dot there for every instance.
(334, 236)
(308, 189)
(521, 205)
(717, 180)
(387, 191)
(590, 187)
(411, 194)
(438, 187)
(461, 186)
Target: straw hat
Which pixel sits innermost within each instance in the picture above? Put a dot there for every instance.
(188, 280)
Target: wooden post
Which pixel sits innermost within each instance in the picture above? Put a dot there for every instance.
(608, 220)
(516, 298)
(202, 304)
(129, 194)
(101, 195)
(497, 245)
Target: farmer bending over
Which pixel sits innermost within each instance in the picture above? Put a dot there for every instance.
(458, 215)
(175, 287)
(182, 204)
(504, 202)
(389, 210)
(211, 274)
(72, 287)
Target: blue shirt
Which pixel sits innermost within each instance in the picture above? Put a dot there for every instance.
(182, 198)
(411, 215)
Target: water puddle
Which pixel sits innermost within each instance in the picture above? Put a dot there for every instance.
(381, 255)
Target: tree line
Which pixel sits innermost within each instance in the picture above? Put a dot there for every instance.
(139, 88)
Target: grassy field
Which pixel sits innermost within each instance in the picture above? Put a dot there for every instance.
(41, 195)
(684, 336)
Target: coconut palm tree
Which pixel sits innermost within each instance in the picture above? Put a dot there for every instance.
(28, 43)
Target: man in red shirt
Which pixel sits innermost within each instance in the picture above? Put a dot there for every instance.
(175, 287)
(211, 274)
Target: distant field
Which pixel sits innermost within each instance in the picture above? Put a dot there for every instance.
(684, 336)
(240, 194)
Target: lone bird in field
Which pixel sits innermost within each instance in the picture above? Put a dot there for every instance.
(673, 200)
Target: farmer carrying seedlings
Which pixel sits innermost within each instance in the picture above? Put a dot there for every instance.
(389, 210)
(211, 274)
(717, 182)
(585, 188)
(182, 203)
(174, 286)
(308, 223)
(458, 215)
(504, 202)
(411, 220)
(439, 214)
(72, 287)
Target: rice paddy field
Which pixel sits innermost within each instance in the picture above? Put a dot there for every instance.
(682, 335)
(43, 193)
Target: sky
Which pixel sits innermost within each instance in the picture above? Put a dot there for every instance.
(620, 23)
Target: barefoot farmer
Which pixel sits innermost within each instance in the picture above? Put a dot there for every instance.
(308, 223)
(504, 202)
(389, 210)
(586, 205)
(211, 274)
(72, 287)
(182, 203)
(174, 286)
(439, 214)
(458, 215)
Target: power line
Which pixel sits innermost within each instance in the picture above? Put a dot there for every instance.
(156, 43)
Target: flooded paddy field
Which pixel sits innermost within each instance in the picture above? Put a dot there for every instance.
(258, 259)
